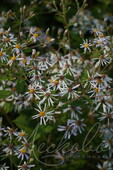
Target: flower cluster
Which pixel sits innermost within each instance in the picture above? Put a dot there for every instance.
(64, 87)
(16, 144)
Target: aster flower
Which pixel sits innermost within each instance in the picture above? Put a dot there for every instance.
(68, 69)
(8, 40)
(102, 60)
(86, 45)
(104, 39)
(17, 48)
(25, 166)
(96, 92)
(98, 42)
(54, 83)
(21, 136)
(36, 78)
(43, 115)
(22, 154)
(10, 149)
(95, 30)
(48, 97)
(103, 102)
(67, 129)
(108, 141)
(33, 90)
(108, 114)
(104, 166)
(34, 37)
(35, 34)
(77, 124)
(21, 102)
(24, 60)
(4, 167)
(44, 63)
(73, 110)
(3, 56)
(10, 132)
(12, 59)
(70, 91)
(63, 80)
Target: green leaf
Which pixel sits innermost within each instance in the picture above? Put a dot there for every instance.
(4, 94)
(25, 122)
(20, 86)
(3, 78)
(8, 107)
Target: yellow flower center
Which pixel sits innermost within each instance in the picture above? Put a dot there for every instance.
(23, 151)
(24, 61)
(90, 18)
(102, 36)
(1, 53)
(7, 40)
(2, 32)
(42, 114)
(109, 101)
(24, 166)
(13, 58)
(31, 90)
(95, 30)
(51, 80)
(48, 39)
(96, 90)
(13, 89)
(38, 29)
(86, 45)
(56, 82)
(99, 42)
(35, 35)
(17, 46)
(99, 81)
(11, 130)
(101, 57)
(35, 67)
(22, 133)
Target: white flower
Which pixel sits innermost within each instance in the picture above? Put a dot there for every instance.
(21, 136)
(10, 132)
(48, 97)
(18, 48)
(35, 34)
(102, 60)
(86, 45)
(12, 59)
(9, 40)
(70, 91)
(76, 124)
(104, 166)
(67, 130)
(22, 153)
(95, 31)
(43, 115)
(25, 166)
(4, 167)
(9, 149)
(3, 56)
(33, 90)
(108, 114)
